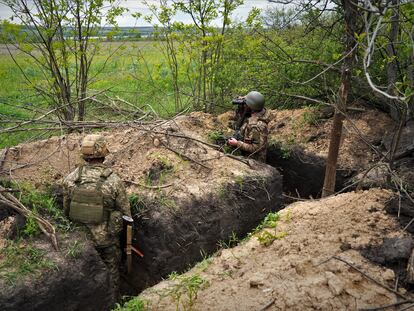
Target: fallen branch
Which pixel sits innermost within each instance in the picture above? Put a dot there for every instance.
(268, 305)
(185, 156)
(3, 155)
(366, 275)
(402, 302)
(47, 228)
(147, 186)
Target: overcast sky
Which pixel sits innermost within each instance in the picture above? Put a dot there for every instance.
(138, 6)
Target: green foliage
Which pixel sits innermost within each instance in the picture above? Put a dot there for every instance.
(31, 228)
(75, 249)
(40, 203)
(309, 117)
(266, 238)
(134, 304)
(232, 241)
(270, 221)
(18, 260)
(136, 203)
(185, 287)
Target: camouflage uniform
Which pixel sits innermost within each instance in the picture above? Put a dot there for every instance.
(254, 132)
(115, 202)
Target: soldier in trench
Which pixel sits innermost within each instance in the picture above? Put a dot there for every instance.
(251, 119)
(94, 196)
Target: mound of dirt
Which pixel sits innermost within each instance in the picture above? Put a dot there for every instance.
(186, 196)
(310, 265)
(310, 128)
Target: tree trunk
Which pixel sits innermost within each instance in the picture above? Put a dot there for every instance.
(392, 65)
(336, 133)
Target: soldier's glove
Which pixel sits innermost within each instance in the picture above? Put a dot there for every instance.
(232, 142)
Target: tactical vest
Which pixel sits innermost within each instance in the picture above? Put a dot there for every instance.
(87, 204)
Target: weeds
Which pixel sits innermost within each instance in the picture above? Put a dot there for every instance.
(41, 203)
(137, 203)
(266, 238)
(134, 304)
(187, 286)
(232, 241)
(74, 249)
(270, 221)
(20, 260)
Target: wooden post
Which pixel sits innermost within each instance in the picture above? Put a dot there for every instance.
(336, 133)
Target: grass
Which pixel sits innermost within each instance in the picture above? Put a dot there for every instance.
(137, 72)
(74, 249)
(134, 304)
(183, 292)
(18, 260)
(41, 203)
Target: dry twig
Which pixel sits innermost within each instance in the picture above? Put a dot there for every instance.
(47, 228)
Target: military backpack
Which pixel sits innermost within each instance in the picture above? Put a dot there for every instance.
(87, 204)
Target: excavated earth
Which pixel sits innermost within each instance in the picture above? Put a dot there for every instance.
(322, 260)
(189, 199)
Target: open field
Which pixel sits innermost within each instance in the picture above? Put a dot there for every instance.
(134, 71)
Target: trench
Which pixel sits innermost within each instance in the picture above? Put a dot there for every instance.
(303, 173)
(175, 241)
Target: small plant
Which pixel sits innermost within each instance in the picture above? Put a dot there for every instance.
(231, 242)
(173, 276)
(216, 136)
(266, 238)
(31, 228)
(43, 204)
(134, 304)
(286, 152)
(189, 286)
(270, 221)
(309, 116)
(75, 249)
(137, 203)
(288, 216)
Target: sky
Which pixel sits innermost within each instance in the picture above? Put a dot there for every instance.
(138, 6)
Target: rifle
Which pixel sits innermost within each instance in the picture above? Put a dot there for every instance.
(129, 248)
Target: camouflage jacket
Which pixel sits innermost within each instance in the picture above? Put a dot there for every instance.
(254, 132)
(115, 200)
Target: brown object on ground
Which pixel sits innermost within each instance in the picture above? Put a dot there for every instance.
(295, 271)
(410, 269)
(8, 200)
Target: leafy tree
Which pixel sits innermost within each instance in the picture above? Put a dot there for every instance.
(57, 38)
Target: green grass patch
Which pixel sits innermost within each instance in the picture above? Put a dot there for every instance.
(18, 260)
(40, 203)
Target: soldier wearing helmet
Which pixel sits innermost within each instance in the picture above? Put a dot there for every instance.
(95, 197)
(253, 129)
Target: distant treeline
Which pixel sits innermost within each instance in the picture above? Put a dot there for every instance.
(104, 33)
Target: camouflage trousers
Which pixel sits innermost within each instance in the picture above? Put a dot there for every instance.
(111, 256)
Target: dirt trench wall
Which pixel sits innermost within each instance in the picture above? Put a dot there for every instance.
(303, 173)
(81, 283)
(175, 240)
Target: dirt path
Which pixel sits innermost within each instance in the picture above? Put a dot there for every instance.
(293, 273)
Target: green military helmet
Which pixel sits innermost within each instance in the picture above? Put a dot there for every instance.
(93, 146)
(255, 101)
